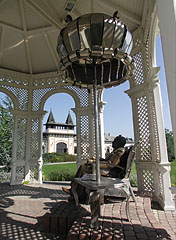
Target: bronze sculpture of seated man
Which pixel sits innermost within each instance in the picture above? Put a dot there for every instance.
(113, 166)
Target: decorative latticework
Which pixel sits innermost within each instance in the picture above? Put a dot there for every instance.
(34, 173)
(35, 92)
(85, 144)
(21, 139)
(161, 185)
(46, 81)
(35, 140)
(21, 96)
(137, 41)
(16, 81)
(143, 128)
(154, 130)
(23, 99)
(148, 181)
(38, 94)
(19, 173)
(139, 70)
(82, 94)
(147, 59)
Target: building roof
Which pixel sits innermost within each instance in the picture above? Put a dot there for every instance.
(51, 118)
(109, 139)
(69, 120)
(51, 121)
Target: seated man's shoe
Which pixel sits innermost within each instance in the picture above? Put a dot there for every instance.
(66, 190)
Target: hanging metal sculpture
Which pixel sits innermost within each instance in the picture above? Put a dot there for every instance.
(95, 38)
(94, 52)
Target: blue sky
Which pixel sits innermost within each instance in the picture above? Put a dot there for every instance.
(117, 111)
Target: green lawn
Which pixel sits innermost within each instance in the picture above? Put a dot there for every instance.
(133, 169)
(71, 167)
(173, 173)
(173, 168)
(47, 169)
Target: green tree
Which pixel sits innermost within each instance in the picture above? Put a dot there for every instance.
(6, 128)
(170, 144)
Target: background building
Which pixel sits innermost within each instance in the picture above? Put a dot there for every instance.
(61, 137)
(108, 139)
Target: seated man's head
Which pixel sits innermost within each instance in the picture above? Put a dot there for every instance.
(118, 142)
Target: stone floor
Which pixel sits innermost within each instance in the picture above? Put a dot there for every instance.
(22, 209)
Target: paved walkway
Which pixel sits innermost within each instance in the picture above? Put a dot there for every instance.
(22, 208)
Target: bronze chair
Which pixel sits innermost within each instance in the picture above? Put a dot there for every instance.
(95, 189)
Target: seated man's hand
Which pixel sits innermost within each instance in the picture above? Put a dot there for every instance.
(92, 160)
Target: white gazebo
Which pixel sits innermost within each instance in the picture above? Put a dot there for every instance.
(29, 75)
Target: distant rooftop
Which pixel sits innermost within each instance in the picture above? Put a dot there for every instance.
(109, 138)
(51, 120)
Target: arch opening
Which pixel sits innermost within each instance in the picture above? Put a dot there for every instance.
(6, 132)
(59, 128)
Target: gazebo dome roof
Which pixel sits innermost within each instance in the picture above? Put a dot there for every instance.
(29, 29)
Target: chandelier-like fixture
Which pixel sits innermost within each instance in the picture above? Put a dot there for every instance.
(94, 52)
(95, 39)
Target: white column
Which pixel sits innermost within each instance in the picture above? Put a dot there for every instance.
(14, 150)
(167, 22)
(40, 160)
(167, 202)
(154, 89)
(27, 152)
(78, 135)
(162, 176)
(158, 164)
(28, 133)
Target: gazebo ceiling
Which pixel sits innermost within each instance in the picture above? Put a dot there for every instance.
(29, 28)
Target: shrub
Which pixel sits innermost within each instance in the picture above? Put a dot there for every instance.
(173, 180)
(65, 175)
(133, 180)
(170, 144)
(58, 157)
(5, 177)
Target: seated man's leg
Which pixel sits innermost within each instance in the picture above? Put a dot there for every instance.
(83, 169)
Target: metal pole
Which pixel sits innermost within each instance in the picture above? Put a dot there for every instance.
(97, 149)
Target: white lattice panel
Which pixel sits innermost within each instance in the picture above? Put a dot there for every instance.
(21, 139)
(161, 185)
(35, 140)
(147, 60)
(19, 173)
(34, 173)
(148, 181)
(154, 130)
(143, 125)
(139, 71)
(38, 94)
(21, 96)
(85, 144)
(82, 94)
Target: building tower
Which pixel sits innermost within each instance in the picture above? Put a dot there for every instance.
(59, 137)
